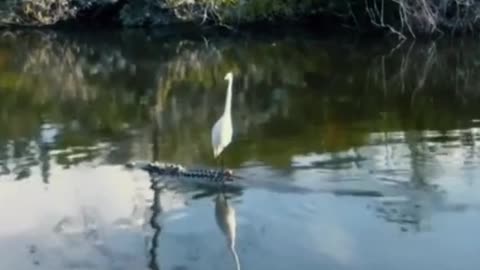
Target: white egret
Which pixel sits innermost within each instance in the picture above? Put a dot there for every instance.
(222, 130)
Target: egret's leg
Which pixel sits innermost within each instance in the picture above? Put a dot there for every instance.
(221, 163)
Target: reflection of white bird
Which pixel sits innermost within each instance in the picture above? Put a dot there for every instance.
(222, 130)
(225, 217)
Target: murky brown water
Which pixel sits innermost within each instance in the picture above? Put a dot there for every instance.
(355, 155)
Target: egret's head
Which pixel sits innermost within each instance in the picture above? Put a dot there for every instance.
(229, 76)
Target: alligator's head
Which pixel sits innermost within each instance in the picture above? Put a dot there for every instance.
(228, 175)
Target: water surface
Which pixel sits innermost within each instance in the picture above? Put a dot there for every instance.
(354, 154)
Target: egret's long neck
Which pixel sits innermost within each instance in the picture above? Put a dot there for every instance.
(228, 100)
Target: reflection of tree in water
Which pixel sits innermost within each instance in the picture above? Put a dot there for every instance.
(100, 91)
(413, 209)
(419, 197)
(156, 211)
(156, 208)
(407, 210)
(19, 156)
(17, 159)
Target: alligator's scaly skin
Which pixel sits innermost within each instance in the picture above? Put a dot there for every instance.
(175, 170)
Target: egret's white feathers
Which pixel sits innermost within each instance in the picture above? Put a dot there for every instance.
(221, 135)
(222, 130)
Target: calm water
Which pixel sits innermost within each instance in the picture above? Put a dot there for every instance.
(355, 155)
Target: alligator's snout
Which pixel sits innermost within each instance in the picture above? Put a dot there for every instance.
(228, 173)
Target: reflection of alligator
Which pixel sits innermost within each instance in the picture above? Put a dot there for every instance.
(203, 176)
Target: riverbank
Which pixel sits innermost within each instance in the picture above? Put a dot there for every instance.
(402, 18)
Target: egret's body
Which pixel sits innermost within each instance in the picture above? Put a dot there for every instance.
(222, 131)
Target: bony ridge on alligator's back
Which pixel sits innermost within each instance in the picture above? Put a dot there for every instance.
(203, 176)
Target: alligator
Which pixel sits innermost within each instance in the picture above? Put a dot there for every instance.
(197, 175)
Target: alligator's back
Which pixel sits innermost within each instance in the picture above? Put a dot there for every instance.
(192, 175)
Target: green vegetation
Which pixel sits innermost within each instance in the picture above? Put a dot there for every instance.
(404, 18)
